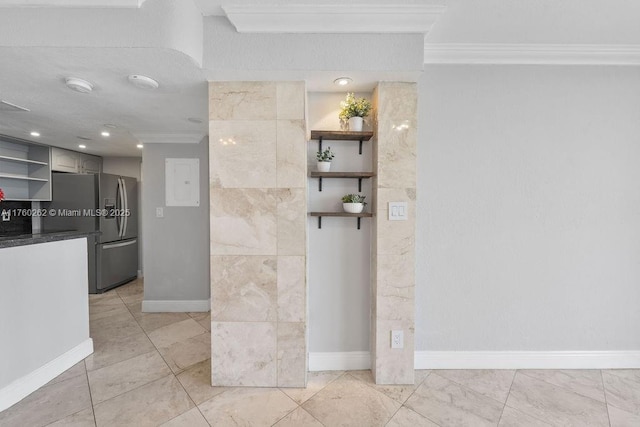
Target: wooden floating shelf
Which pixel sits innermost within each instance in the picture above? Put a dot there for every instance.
(358, 216)
(340, 135)
(358, 175)
(315, 174)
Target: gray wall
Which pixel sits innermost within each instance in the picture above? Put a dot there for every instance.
(339, 253)
(528, 197)
(176, 256)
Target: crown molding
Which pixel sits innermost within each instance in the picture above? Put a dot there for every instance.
(73, 3)
(544, 54)
(342, 18)
(169, 138)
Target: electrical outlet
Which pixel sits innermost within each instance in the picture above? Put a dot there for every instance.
(397, 339)
(159, 212)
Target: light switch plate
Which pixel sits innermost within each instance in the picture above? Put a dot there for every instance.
(398, 211)
(159, 212)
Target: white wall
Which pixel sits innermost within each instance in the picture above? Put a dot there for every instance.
(44, 314)
(528, 198)
(176, 256)
(339, 253)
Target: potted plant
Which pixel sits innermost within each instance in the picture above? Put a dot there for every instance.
(353, 110)
(353, 203)
(324, 159)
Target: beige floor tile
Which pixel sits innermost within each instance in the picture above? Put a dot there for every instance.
(179, 331)
(316, 381)
(83, 418)
(119, 326)
(629, 374)
(152, 321)
(491, 383)
(514, 418)
(349, 402)
(247, 406)
(587, 382)
(191, 418)
(197, 382)
(447, 403)
(397, 392)
(554, 404)
(184, 354)
(72, 372)
(49, 404)
(622, 392)
(298, 418)
(149, 405)
(620, 418)
(101, 300)
(405, 417)
(127, 375)
(113, 350)
(100, 312)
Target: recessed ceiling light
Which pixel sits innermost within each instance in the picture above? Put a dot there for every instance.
(139, 145)
(105, 133)
(343, 81)
(194, 120)
(82, 146)
(34, 133)
(79, 85)
(110, 126)
(143, 82)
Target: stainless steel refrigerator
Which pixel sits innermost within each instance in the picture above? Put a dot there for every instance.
(105, 203)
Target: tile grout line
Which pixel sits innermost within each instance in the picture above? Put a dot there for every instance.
(563, 387)
(413, 392)
(604, 391)
(93, 408)
(515, 372)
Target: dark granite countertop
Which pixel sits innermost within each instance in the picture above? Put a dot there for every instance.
(22, 239)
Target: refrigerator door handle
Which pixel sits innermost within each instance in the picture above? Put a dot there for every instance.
(125, 207)
(119, 216)
(120, 245)
(118, 206)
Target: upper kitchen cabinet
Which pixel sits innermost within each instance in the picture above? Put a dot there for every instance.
(25, 171)
(74, 162)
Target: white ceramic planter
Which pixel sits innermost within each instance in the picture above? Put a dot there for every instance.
(355, 124)
(353, 207)
(324, 166)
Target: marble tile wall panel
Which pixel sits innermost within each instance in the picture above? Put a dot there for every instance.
(242, 100)
(242, 153)
(243, 221)
(292, 354)
(393, 250)
(243, 353)
(258, 212)
(292, 289)
(244, 288)
(291, 154)
(290, 100)
(292, 221)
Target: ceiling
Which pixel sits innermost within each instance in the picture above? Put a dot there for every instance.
(33, 68)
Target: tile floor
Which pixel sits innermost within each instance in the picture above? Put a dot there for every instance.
(152, 369)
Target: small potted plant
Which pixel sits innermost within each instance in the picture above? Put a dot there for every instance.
(324, 159)
(353, 203)
(353, 110)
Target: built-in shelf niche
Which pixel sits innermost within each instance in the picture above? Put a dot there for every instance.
(25, 173)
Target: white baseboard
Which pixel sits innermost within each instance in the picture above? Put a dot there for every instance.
(24, 386)
(340, 361)
(175, 306)
(527, 359)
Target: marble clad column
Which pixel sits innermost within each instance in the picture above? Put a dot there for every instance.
(257, 159)
(393, 247)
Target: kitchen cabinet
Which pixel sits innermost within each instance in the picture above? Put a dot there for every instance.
(25, 172)
(72, 161)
